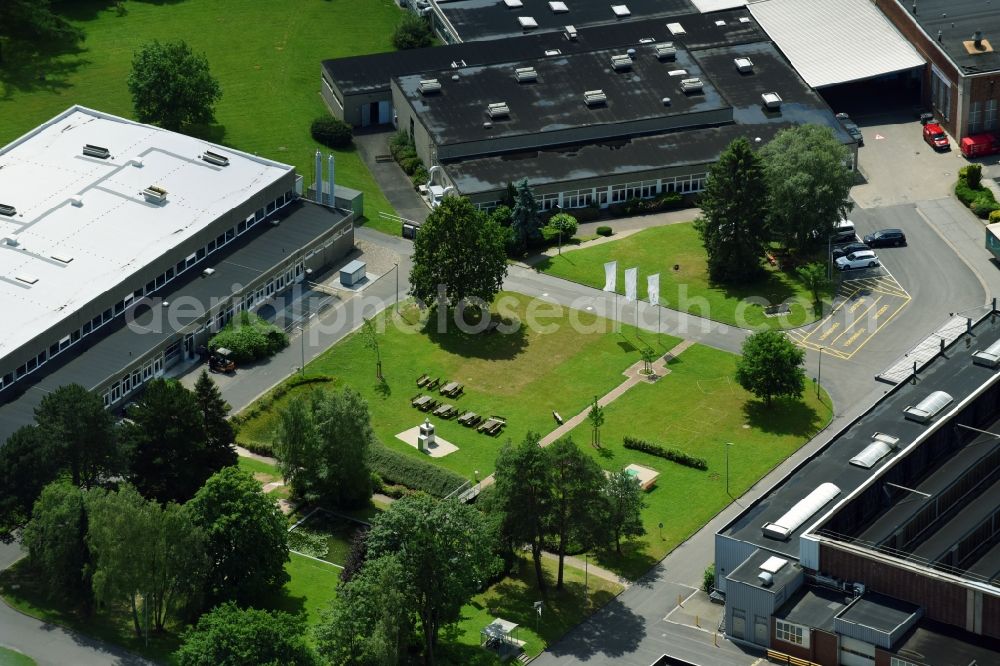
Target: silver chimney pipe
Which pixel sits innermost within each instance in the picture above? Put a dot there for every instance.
(319, 177)
(329, 176)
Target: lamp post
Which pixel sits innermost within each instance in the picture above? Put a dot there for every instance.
(395, 306)
(728, 444)
(302, 341)
(819, 371)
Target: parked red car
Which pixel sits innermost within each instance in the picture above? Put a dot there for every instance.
(979, 145)
(935, 137)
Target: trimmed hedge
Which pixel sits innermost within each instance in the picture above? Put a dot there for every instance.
(332, 132)
(604, 231)
(672, 455)
(399, 469)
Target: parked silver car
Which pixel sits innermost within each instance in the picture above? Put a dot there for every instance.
(859, 259)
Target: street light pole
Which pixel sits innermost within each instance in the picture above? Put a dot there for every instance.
(396, 304)
(302, 341)
(728, 444)
(819, 371)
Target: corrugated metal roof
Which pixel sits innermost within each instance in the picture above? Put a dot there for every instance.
(835, 42)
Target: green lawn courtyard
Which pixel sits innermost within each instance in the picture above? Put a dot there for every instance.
(266, 56)
(10, 657)
(658, 250)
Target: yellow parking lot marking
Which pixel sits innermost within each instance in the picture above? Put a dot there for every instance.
(830, 330)
(857, 334)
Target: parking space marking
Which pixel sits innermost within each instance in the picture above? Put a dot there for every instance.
(863, 307)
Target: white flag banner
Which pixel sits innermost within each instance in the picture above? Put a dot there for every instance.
(631, 275)
(653, 288)
(610, 275)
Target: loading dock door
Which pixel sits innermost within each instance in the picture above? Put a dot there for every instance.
(856, 653)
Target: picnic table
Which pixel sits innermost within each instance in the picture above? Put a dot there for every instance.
(445, 411)
(469, 419)
(423, 379)
(492, 425)
(452, 389)
(420, 400)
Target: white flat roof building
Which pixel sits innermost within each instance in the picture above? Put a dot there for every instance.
(85, 224)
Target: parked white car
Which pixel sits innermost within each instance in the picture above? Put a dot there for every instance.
(859, 259)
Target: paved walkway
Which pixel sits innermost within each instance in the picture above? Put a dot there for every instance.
(591, 569)
(394, 183)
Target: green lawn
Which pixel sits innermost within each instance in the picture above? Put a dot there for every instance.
(266, 56)
(10, 657)
(312, 587)
(524, 376)
(513, 598)
(658, 250)
(697, 408)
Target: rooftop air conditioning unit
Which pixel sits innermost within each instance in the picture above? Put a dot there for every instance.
(215, 158)
(570, 32)
(7, 210)
(677, 72)
(666, 51)
(772, 100)
(76, 200)
(765, 578)
(155, 194)
(692, 85)
(676, 29)
(621, 63)
(96, 151)
(558, 7)
(527, 22)
(595, 97)
(427, 86)
(525, 74)
(208, 272)
(498, 110)
(744, 65)
(10, 241)
(621, 11)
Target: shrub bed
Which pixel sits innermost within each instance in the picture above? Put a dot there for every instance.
(672, 455)
(971, 192)
(332, 132)
(249, 338)
(604, 231)
(666, 201)
(398, 469)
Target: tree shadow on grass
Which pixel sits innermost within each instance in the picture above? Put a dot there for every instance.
(500, 345)
(33, 71)
(633, 560)
(774, 287)
(784, 416)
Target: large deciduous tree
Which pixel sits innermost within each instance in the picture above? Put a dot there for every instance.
(460, 250)
(81, 433)
(771, 366)
(55, 540)
(733, 225)
(151, 557)
(623, 496)
(247, 538)
(168, 449)
(577, 504)
(445, 555)
(368, 623)
(172, 86)
(524, 496)
(808, 184)
(323, 445)
(232, 636)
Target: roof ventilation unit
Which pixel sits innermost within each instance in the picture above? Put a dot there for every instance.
(455, 64)
(427, 86)
(772, 100)
(208, 272)
(527, 22)
(744, 19)
(773, 564)
(595, 97)
(26, 279)
(10, 241)
(513, 4)
(525, 74)
(553, 52)
(215, 158)
(7, 210)
(676, 29)
(498, 110)
(76, 200)
(765, 578)
(621, 63)
(990, 357)
(620, 10)
(96, 151)
(666, 51)
(677, 72)
(570, 32)
(881, 446)
(692, 85)
(558, 7)
(803, 510)
(929, 407)
(155, 194)
(62, 258)
(647, 40)
(744, 65)
(720, 24)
